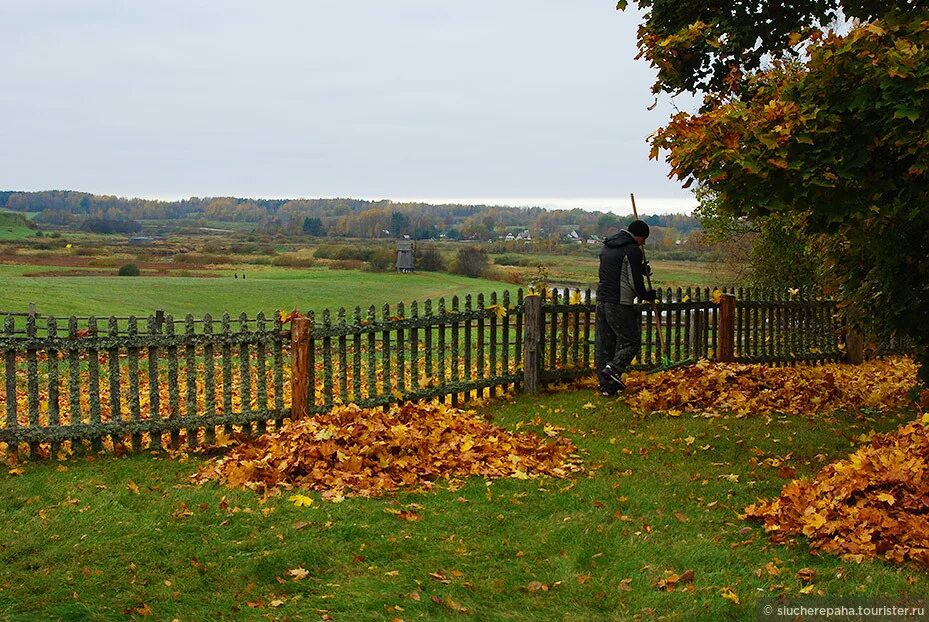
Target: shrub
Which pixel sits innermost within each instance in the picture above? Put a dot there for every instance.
(472, 261)
(429, 259)
(382, 260)
(346, 264)
(344, 251)
(130, 269)
(293, 260)
(510, 259)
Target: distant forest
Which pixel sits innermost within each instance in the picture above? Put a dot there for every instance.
(329, 217)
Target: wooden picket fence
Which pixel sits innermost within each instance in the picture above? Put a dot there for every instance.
(168, 382)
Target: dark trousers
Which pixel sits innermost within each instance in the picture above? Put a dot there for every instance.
(619, 335)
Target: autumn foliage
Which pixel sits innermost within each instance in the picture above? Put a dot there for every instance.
(709, 387)
(367, 452)
(875, 503)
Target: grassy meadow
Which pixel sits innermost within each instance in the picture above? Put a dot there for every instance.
(106, 538)
(75, 273)
(264, 288)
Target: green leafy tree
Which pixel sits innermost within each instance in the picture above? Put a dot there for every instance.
(824, 127)
(313, 226)
(399, 224)
(766, 251)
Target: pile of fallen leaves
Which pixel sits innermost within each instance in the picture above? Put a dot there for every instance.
(366, 452)
(709, 387)
(875, 503)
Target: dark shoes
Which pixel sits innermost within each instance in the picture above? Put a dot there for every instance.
(611, 381)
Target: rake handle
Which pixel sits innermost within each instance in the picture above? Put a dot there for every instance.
(648, 280)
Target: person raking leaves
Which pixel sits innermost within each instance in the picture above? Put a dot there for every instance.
(622, 271)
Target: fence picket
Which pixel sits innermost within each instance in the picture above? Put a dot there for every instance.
(154, 395)
(466, 375)
(74, 386)
(455, 375)
(245, 373)
(505, 337)
(261, 378)
(385, 351)
(551, 324)
(113, 372)
(518, 327)
(414, 347)
(401, 350)
(343, 357)
(493, 369)
(441, 339)
(427, 335)
(356, 357)
(327, 360)
(174, 390)
(372, 354)
(190, 378)
(311, 361)
(12, 419)
(226, 328)
(32, 385)
(480, 344)
(209, 377)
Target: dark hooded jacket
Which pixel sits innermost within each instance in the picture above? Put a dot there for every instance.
(621, 276)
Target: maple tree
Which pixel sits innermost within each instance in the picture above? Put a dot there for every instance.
(825, 126)
(367, 452)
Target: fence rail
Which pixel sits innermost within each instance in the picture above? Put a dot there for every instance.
(91, 384)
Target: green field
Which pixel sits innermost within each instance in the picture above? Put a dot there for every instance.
(108, 538)
(14, 227)
(580, 270)
(264, 289)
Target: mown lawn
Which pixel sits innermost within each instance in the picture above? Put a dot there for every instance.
(663, 494)
(264, 289)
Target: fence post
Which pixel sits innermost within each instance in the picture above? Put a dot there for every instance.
(854, 345)
(532, 328)
(725, 352)
(299, 367)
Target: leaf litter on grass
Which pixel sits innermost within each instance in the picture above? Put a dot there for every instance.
(873, 504)
(367, 452)
(709, 388)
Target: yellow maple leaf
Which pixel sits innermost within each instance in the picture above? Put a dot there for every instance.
(298, 573)
(576, 298)
(886, 498)
(716, 296)
(499, 310)
(728, 594)
(301, 500)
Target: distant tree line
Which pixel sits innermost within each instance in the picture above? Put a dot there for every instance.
(335, 217)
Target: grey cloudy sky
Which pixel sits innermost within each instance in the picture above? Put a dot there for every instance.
(510, 100)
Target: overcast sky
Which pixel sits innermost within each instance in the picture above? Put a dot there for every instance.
(512, 101)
